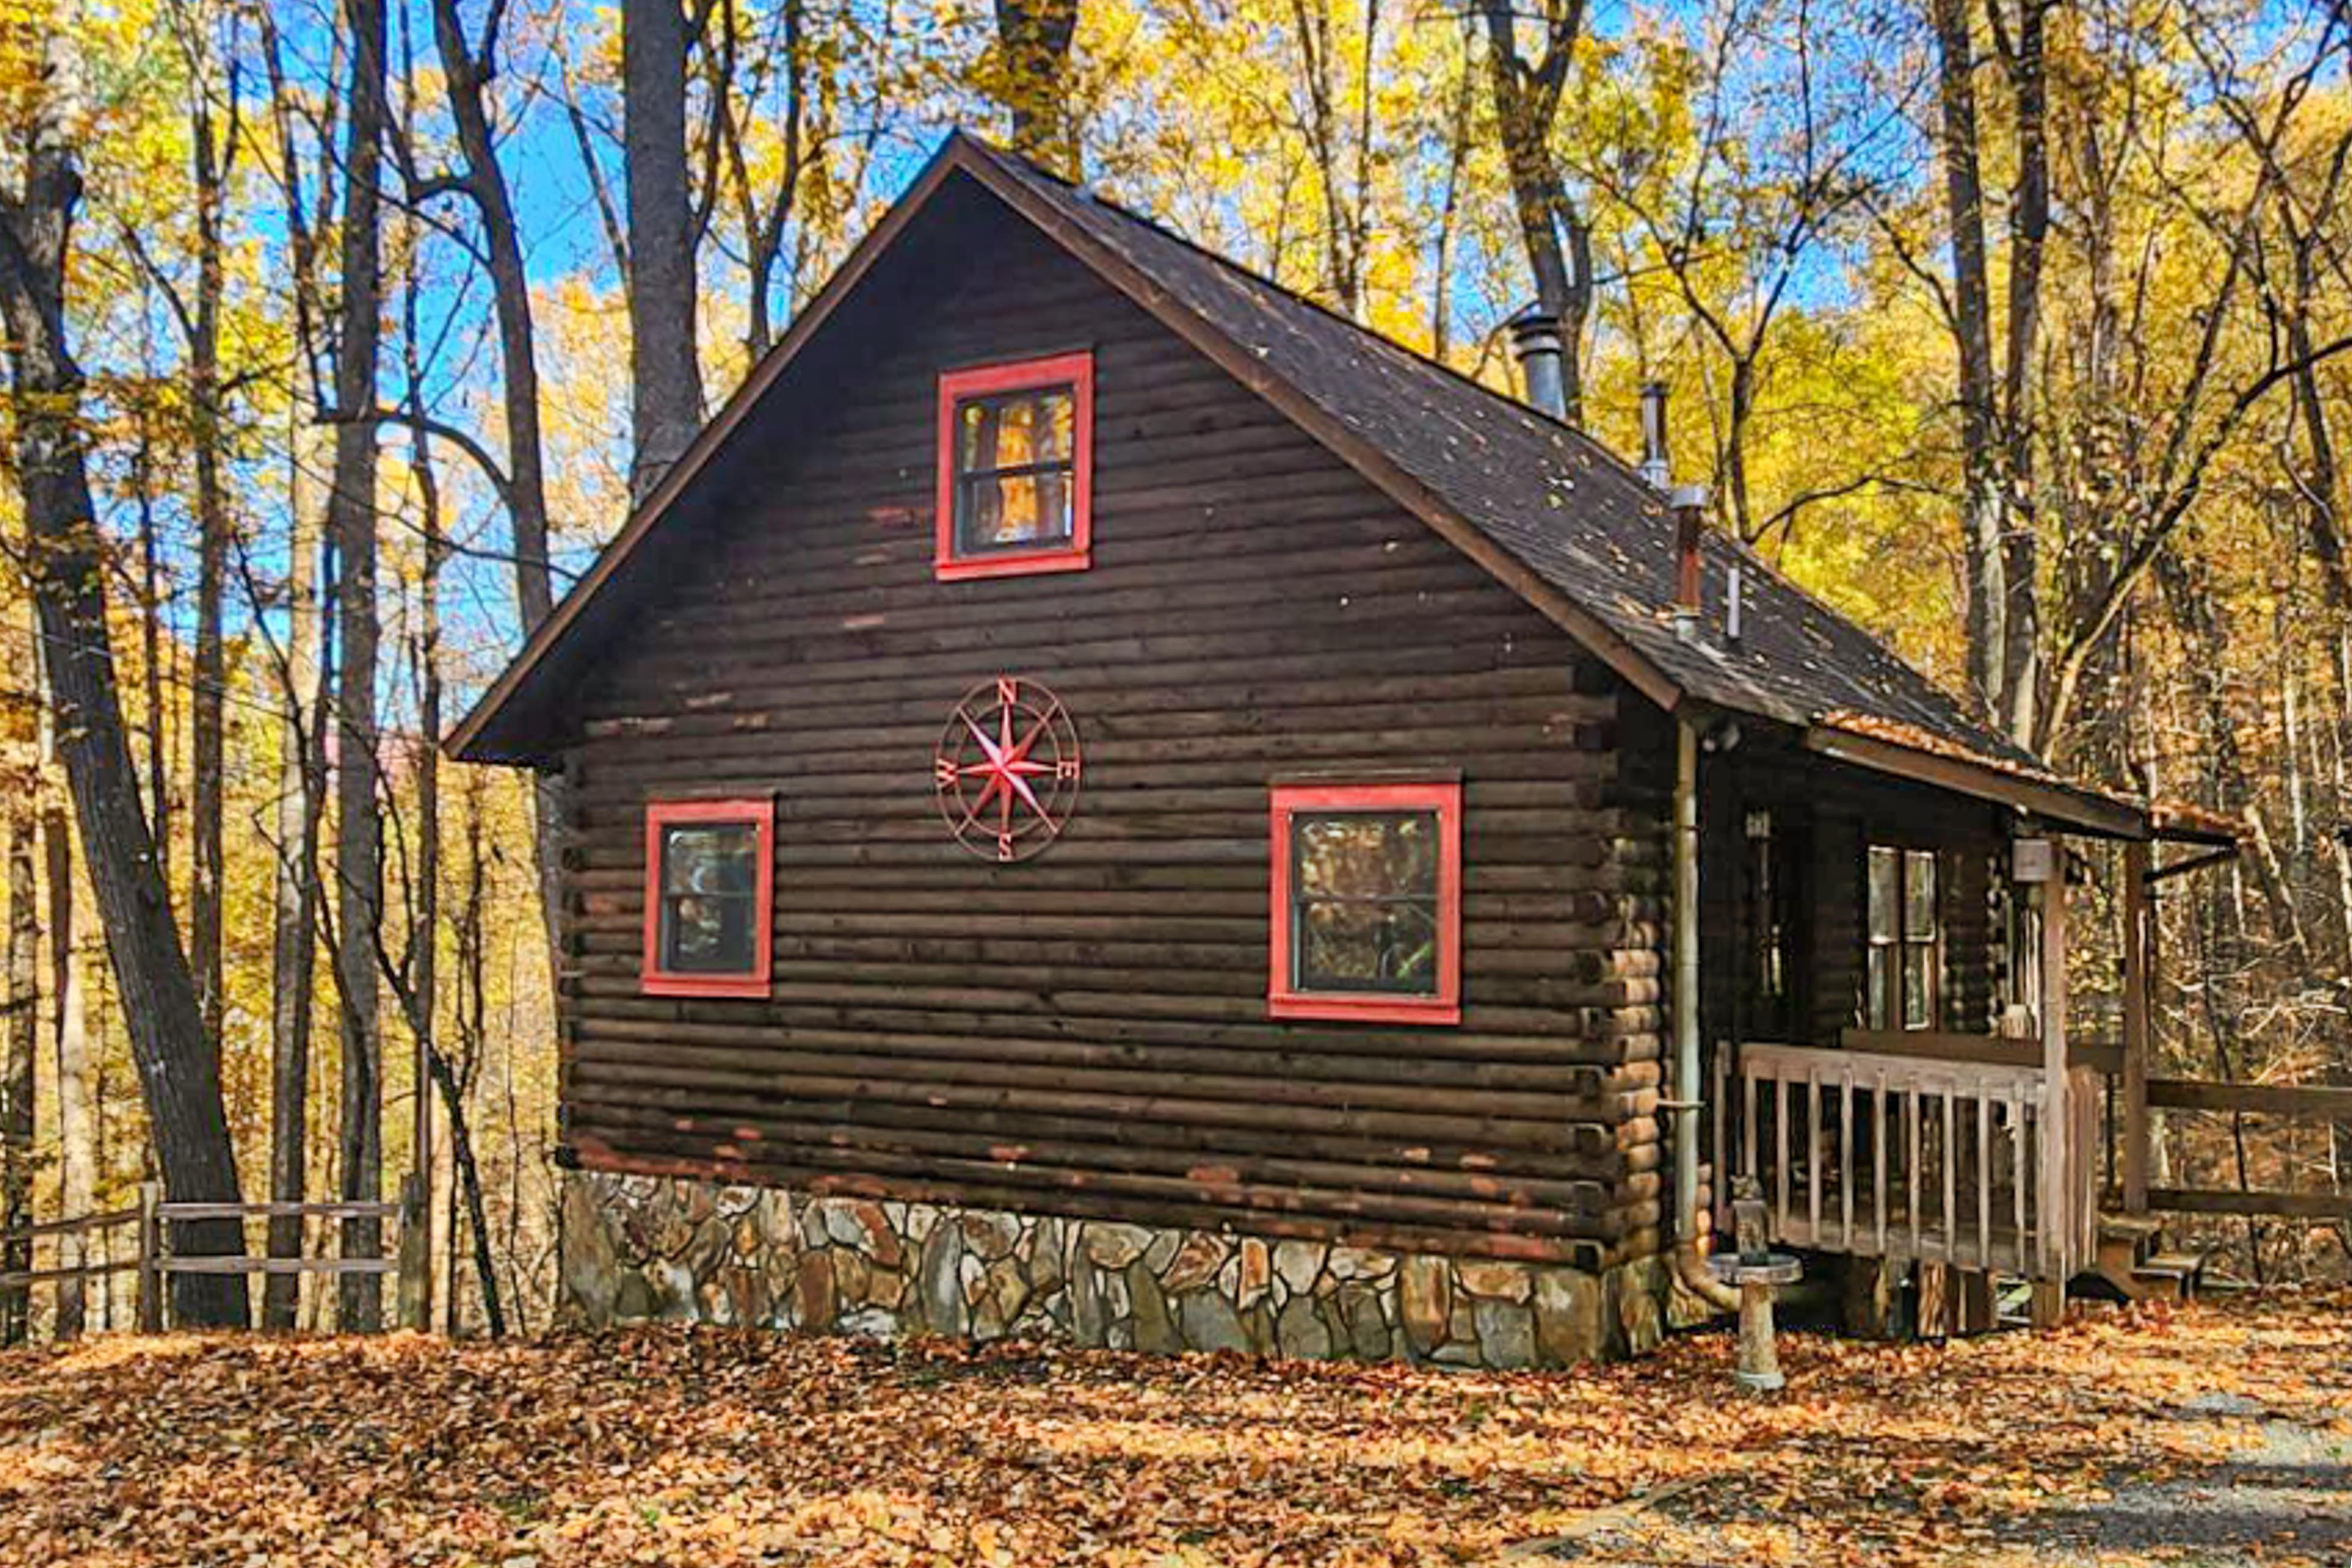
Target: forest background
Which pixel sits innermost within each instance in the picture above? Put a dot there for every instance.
(2019, 330)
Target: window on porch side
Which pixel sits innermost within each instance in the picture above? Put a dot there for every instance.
(1770, 923)
(1903, 979)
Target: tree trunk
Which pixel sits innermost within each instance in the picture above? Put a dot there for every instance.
(763, 223)
(1032, 40)
(1457, 160)
(153, 651)
(2208, 637)
(424, 898)
(1553, 231)
(178, 1065)
(23, 1036)
(351, 520)
(2029, 226)
(78, 1150)
(1985, 516)
(664, 374)
(206, 737)
(1343, 231)
(468, 1009)
(419, 994)
(469, 1180)
(301, 790)
(305, 699)
(467, 74)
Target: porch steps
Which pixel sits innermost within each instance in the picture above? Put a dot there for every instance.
(2133, 1264)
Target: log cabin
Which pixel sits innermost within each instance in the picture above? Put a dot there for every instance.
(1102, 800)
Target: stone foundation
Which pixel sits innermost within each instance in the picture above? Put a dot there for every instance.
(640, 1247)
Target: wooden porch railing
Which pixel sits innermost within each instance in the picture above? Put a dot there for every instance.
(1876, 1153)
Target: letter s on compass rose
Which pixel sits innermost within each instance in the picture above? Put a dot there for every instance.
(1007, 769)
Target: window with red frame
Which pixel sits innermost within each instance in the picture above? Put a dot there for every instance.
(1367, 914)
(1015, 460)
(709, 885)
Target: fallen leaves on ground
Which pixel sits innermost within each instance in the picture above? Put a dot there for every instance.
(676, 1445)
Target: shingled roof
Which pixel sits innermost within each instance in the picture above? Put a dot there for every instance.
(1551, 510)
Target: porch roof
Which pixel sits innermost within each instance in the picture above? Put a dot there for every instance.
(1907, 751)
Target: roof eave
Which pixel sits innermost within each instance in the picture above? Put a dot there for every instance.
(2083, 810)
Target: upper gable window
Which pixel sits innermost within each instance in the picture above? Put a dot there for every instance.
(710, 879)
(1015, 460)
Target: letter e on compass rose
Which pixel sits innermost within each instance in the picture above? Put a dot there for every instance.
(1007, 769)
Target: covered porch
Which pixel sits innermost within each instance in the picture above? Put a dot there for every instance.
(1894, 1056)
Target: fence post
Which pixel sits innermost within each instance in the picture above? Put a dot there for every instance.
(415, 1287)
(150, 1258)
(2139, 1001)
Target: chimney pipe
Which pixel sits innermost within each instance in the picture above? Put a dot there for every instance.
(1653, 434)
(1535, 342)
(1688, 503)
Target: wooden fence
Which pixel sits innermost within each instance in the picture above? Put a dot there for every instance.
(155, 1262)
(2297, 1102)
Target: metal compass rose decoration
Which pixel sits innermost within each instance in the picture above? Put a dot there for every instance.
(1007, 769)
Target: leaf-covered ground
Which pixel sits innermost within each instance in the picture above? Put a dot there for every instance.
(2210, 1435)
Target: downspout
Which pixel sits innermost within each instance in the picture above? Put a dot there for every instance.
(1690, 1267)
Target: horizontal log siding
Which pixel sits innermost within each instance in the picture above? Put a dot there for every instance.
(1086, 1033)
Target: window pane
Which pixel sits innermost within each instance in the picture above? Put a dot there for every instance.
(1918, 987)
(1764, 918)
(1874, 1009)
(1351, 946)
(708, 920)
(705, 934)
(1364, 892)
(1885, 879)
(1018, 430)
(1012, 509)
(1365, 854)
(1919, 893)
(978, 423)
(709, 857)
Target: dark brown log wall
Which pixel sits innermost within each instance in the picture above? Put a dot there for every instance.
(1086, 1033)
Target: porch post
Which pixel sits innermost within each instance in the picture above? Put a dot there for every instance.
(2057, 1123)
(2139, 935)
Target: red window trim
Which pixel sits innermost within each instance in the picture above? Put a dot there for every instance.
(1283, 1000)
(655, 981)
(1076, 370)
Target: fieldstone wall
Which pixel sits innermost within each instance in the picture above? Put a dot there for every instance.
(638, 1247)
